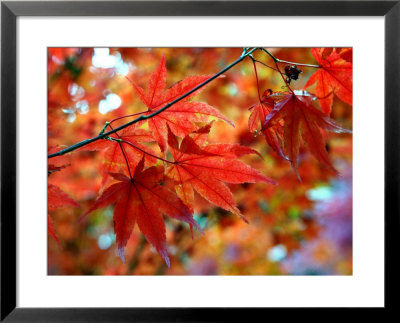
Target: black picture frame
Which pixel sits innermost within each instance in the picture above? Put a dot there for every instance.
(9, 13)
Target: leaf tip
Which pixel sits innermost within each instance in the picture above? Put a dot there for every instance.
(297, 175)
(82, 217)
(191, 230)
(272, 182)
(121, 252)
(197, 226)
(241, 216)
(164, 255)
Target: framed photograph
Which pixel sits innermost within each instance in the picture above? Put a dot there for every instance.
(198, 160)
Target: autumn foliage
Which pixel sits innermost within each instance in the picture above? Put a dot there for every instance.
(221, 178)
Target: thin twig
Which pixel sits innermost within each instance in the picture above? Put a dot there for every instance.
(298, 64)
(270, 54)
(277, 60)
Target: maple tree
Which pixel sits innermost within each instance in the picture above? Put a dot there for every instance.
(156, 163)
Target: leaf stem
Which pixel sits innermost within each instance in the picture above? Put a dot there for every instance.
(85, 142)
(126, 159)
(122, 149)
(276, 60)
(147, 153)
(123, 117)
(284, 79)
(272, 68)
(258, 85)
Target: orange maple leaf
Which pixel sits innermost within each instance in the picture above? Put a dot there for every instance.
(335, 76)
(181, 116)
(142, 200)
(205, 168)
(130, 147)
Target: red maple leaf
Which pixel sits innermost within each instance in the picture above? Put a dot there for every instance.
(181, 116)
(205, 168)
(257, 118)
(53, 168)
(346, 54)
(142, 200)
(130, 147)
(56, 198)
(335, 76)
(301, 119)
(260, 111)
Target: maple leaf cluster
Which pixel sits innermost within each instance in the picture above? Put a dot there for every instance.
(156, 166)
(139, 195)
(287, 117)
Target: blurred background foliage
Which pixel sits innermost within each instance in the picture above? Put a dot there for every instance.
(296, 228)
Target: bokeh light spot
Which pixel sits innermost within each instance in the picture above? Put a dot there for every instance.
(111, 102)
(104, 241)
(277, 253)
